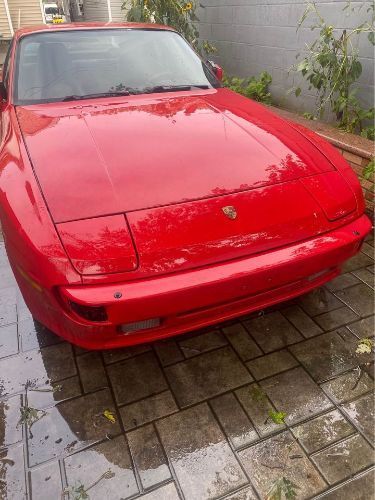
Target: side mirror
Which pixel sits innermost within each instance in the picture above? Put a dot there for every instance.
(218, 70)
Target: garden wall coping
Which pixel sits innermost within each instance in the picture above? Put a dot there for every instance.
(343, 140)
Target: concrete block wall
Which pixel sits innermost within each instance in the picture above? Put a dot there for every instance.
(254, 35)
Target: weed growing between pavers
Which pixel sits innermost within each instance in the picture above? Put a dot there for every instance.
(282, 486)
(29, 416)
(80, 492)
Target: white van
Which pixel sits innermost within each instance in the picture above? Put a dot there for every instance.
(50, 10)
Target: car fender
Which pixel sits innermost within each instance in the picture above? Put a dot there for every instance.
(30, 236)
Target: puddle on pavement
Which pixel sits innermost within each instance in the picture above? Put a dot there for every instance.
(36, 368)
(107, 466)
(323, 430)
(202, 459)
(71, 425)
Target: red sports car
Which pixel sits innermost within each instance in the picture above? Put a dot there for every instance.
(139, 199)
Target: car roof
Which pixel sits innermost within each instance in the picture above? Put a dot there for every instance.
(87, 26)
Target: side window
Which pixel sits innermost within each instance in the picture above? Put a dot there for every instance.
(6, 66)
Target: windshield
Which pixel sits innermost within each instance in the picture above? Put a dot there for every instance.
(51, 10)
(68, 65)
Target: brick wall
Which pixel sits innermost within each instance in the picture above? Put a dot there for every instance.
(358, 163)
(357, 150)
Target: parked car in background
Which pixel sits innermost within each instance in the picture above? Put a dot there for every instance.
(139, 199)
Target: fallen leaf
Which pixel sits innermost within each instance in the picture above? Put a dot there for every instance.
(277, 417)
(364, 346)
(109, 415)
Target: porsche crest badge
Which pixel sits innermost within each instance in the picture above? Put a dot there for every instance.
(230, 212)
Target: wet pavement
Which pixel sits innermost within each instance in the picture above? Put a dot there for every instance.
(274, 404)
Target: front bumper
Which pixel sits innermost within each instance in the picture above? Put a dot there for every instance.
(205, 296)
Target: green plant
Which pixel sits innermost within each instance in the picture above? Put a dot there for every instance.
(369, 133)
(308, 116)
(331, 66)
(369, 169)
(282, 488)
(80, 492)
(256, 88)
(29, 416)
(178, 14)
(277, 417)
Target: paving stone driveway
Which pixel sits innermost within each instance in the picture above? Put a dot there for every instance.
(192, 415)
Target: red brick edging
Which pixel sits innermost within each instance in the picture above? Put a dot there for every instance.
(356, 149)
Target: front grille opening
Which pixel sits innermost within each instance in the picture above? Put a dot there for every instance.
(96, 314)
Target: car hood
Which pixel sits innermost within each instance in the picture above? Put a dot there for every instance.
(122, 155)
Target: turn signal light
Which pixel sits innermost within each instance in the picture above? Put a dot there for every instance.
(90, 313)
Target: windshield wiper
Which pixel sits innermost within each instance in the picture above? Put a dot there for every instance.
(129, 91)
(77, 97)
(172, 88)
